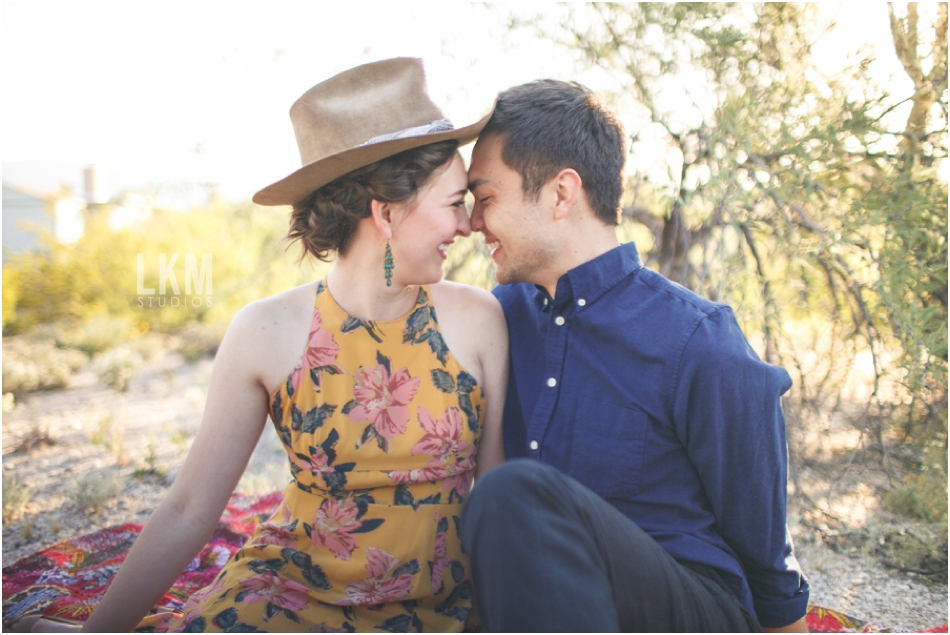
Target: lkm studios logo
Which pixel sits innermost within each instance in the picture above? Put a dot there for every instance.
(197, 282)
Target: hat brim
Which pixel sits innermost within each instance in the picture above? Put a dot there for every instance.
(300, 184)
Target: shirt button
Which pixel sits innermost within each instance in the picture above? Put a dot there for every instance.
(552, 382)
(545, 301)
(582, 302)
(559, 321)
(534, 445)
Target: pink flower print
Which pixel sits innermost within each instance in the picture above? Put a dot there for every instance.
(377, 589)
(452, 459)
(332, 527)
(196, 602)
(281, 515)
(276, 535)
(285, 594)
(443, 436)
(440, 563)
(318, 463)
(418, 475)
(460, 476)
(382, 398)
(321, 351)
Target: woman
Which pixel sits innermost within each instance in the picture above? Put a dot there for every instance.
(380, 406)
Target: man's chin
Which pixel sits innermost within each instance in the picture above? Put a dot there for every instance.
(509, 276)
(501, 275)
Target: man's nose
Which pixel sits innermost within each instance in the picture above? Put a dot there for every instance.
(477, 222)
(464, 227)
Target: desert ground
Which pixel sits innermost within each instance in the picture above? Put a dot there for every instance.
(94, 457)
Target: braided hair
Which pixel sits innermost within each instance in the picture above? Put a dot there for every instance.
(326, 220)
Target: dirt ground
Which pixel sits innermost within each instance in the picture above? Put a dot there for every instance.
(137, 440)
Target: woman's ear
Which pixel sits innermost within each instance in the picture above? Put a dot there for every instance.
(382, 217)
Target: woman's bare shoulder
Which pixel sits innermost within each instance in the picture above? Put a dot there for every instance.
(465, 297)
(277, 311)
(473, 313)
(267, 335)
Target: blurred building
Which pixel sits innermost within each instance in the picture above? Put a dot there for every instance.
(29, 213)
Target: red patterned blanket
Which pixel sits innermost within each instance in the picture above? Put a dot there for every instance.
(67, 579)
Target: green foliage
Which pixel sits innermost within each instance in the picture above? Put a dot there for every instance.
(116, 366)
(94, 335)
(92, 286)
(11, 292)
(801, 199)
(923, 495)
(36, 364)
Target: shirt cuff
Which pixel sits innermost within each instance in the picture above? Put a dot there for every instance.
(778, 613)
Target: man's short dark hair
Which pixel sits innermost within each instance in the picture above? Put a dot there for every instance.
(549, 125)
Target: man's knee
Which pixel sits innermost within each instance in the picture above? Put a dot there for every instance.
(507, 491)
(513, 483)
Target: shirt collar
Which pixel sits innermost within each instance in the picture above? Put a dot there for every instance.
(596, 277)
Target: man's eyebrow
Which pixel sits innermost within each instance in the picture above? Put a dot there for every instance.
(474, 184)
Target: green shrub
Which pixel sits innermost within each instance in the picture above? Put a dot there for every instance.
(95, 334)
(98, 275)
(116, 366)
(922, 497)
(110, 435)
(92, 492)
(150, 346)
(34, 364)
(10, 294)
(198, 340)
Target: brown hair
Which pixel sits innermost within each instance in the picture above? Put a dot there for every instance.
(326, 220)
(548, 125)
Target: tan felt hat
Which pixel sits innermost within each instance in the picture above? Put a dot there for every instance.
(358, 117)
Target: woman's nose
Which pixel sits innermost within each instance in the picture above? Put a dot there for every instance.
(464, 227)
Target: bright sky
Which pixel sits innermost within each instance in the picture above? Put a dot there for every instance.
(166, 92)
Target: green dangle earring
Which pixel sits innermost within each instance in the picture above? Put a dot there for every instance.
(388, 265)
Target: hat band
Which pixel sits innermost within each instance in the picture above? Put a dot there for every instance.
(440, 125)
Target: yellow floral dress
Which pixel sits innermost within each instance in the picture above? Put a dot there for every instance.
(381, 425)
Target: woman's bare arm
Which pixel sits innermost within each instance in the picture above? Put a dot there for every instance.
(234, 417)
(493, 352)
(474, 328)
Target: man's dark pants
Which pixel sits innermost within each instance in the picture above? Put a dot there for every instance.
(548, 554)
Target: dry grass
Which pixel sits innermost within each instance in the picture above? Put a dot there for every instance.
(16, 496)
(111, 436)
(94, 491)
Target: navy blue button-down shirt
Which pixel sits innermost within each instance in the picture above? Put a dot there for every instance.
(651, 396)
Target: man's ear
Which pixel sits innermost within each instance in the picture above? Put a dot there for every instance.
(382, 217)
(567, 187)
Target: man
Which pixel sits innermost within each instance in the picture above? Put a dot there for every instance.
(656, 497)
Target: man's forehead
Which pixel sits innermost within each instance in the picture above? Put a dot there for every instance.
(474, 184)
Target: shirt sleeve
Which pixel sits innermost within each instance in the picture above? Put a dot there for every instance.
(727, 413)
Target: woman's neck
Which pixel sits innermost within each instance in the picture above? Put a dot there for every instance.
(363, 295)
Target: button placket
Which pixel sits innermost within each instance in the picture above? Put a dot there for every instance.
(554, 350)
